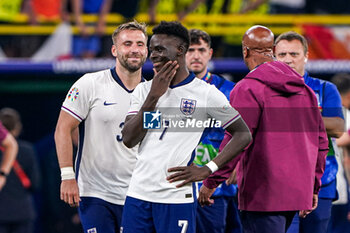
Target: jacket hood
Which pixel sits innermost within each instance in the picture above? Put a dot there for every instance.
(278, 76)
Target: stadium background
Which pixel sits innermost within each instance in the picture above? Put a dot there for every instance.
(37, 87)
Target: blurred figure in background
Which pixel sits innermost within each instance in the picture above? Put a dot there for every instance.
(49, 10)
(179, 7)
(17, 212)
(277, 6)
(85, 45)
(9, 148)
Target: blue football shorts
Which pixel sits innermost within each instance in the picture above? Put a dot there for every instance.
(97, 215)
(150, 217)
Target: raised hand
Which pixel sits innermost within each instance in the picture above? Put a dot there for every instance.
(162, 79)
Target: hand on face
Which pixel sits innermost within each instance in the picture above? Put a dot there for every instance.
(162, 79)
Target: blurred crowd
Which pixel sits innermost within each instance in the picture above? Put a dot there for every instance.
(90, 43)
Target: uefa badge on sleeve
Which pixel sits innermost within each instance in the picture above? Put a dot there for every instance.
(73, 94)
(152, 120)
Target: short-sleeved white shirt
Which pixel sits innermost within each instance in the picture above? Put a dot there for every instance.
(103, 164)
(159, 150)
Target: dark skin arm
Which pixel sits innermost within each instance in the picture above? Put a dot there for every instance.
(334, 126)
(133, 131)
(241, 137)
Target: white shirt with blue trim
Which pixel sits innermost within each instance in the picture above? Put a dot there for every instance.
(192, 100)
(104, 164)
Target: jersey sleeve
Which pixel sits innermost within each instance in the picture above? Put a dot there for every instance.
(78, 99)
(219, 108)
(331, 106)
(136, 100)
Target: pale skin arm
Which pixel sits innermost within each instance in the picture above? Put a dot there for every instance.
(28, 9)
(63, 11)
(252, 5)
(9, 155)
(77, 10)
(335, 126)
(152, 11)
(101, 24)
(66, 125)
(182, 14)
(344, 140)
(133, 132)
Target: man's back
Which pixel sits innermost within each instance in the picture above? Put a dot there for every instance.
(277, 172)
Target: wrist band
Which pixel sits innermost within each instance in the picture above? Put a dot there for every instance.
(212, 166)
(67, 173)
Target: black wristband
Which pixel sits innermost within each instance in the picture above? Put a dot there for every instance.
(3, 173)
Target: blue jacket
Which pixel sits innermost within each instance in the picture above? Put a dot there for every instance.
(208, 147)
(329, 102)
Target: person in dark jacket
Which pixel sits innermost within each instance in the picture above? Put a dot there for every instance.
(17, 212)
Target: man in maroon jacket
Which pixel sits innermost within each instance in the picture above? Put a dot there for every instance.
(280, 172)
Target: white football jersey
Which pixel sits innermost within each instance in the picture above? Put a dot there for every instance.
(183, 108)
(103, 164)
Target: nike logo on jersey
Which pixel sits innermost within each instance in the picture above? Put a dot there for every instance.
(106, 104)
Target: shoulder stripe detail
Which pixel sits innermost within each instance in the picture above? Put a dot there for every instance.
(132, 112)
(231, 121)
(71, 112)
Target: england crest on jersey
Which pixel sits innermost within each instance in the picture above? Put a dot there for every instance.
(188, 106)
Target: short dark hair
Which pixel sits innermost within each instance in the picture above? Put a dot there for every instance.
(289, 36)
(10, 118)
(196, 35)
(133, 25)
(342, 81)
(173, 28)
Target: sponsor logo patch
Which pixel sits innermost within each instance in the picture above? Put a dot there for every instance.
(108, 103)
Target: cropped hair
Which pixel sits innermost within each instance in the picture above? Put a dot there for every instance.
(196, 35)
(132, 25)
(289, 36)
(173, 28)
(342, 81)
(10, 118)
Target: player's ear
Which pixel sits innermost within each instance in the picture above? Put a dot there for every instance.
(210, 53)
(245, 51)
(114, 50)
(181, 50)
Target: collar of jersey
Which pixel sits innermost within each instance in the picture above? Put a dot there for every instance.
(306, 78)
(208, 77)
(117, 79)
(187, 80)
